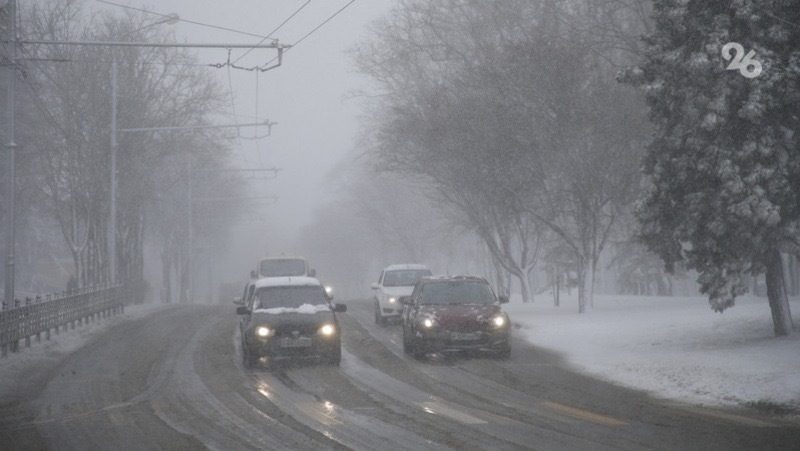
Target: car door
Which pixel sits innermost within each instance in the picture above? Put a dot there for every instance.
(250, 303)
(379, 291)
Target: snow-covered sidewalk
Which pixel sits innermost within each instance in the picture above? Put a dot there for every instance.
(674, 348)
(17, 368)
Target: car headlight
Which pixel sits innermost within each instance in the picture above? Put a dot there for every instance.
(263, 331)
(392, 300)
(328, 290)
(327, 330)
(428, 323)
(499, 321)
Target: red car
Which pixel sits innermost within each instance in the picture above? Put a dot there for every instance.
(455, 313)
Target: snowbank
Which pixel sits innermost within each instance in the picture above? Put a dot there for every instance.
(673, 347)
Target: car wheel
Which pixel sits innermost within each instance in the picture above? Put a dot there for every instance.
(406, 343)
(503, 352)
(336, 357)
(379, 320)
(247, 359)
(416, 350)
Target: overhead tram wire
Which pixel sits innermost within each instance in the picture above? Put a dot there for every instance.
(275, 30)
(314, 30)
(88, 60)
(180, 19)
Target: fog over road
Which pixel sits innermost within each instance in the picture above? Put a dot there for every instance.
(174, 380)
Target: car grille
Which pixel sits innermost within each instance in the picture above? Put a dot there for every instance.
(288, 330)
(463, 325)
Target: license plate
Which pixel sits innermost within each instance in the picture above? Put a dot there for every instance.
(464, 336)
(300, 342)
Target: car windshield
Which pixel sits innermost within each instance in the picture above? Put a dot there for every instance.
(445, 293)
(285, 267)
(289, 297)
(404, 278)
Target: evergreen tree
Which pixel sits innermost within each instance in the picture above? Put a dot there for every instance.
(724, 165)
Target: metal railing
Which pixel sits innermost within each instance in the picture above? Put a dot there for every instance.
(33, 317)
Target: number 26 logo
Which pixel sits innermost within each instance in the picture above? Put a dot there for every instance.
(746, 65)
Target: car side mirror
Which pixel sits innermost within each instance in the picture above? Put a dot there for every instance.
(238, 301)
(340, 308)
(503, 299)
(312, 273)
(406, 300)
(242, 310)
(375, 286)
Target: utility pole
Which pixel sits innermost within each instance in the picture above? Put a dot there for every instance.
(190, 232)
(112, 220)
(11, 183)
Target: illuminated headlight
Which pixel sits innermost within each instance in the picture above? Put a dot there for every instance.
(428, 323)
(499, 321)
(392, 300)
(327, 330)
(328, 290)
(263, 331)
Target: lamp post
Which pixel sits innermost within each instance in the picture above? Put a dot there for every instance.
(11, 145)
(112, 221)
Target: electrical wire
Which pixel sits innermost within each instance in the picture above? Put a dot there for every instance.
(193, 22)
(324, 22)
(314, 30)
(87, 60)
(269, 35)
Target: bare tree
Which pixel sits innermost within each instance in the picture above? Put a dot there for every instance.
(72, 86)
(514, 117)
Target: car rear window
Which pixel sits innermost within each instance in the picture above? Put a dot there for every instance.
(404, 278)
(282, 267)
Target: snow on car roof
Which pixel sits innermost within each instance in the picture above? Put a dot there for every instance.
(294, 281)
(405, 266)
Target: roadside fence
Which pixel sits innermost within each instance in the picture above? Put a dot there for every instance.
(32, 317)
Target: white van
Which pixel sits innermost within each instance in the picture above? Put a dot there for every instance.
(284, 267)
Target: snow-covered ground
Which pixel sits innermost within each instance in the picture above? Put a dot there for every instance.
(675, 348)
(17, 368)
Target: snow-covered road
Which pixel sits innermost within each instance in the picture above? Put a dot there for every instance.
(173, 380)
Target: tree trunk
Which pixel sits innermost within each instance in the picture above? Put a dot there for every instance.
(792, 271)
(182, 277)
(556, 291)
(776, 293)
(582, 275)
(524, 285)
(498, 276)
(166, 273)
(592, 283)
